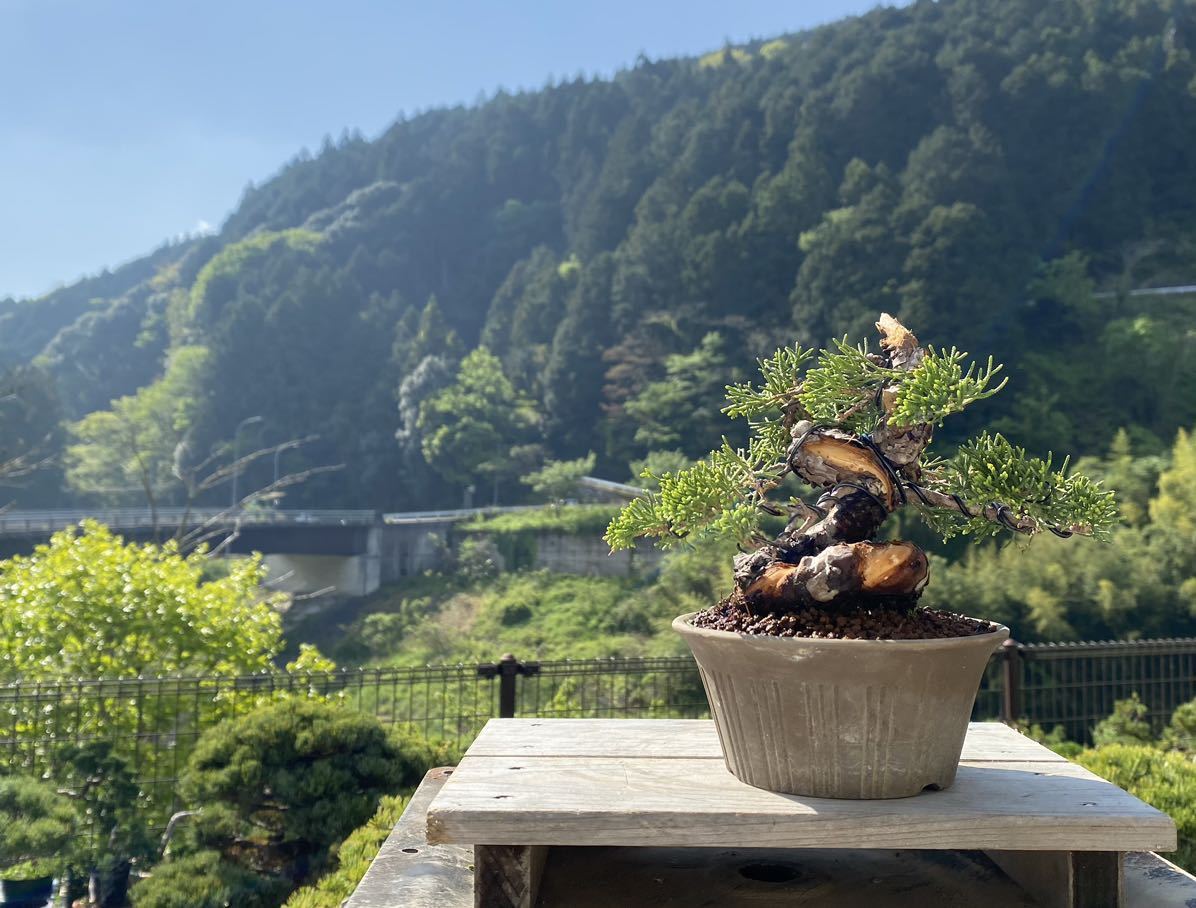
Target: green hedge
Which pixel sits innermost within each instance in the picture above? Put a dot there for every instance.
(1162, 778)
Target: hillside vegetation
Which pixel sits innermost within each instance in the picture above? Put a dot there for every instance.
(1141, 584)
(562, 271)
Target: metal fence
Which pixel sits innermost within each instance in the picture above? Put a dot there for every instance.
(1074, 685)
(154, 722)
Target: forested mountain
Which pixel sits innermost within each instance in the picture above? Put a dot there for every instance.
(583, 267)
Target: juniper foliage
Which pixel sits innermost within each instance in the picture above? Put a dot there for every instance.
(37, 822)
(727, 494)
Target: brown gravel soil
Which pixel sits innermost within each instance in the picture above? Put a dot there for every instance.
(864, 622)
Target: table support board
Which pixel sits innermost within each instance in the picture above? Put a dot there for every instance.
(527, 785)
(1067, 879)
(410, 873)
(507, 876)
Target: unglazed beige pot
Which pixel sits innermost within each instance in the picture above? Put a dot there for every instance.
(840, 718)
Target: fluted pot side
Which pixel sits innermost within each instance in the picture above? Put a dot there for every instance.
(840, 718)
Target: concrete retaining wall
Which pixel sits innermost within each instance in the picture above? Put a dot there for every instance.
(589, 556)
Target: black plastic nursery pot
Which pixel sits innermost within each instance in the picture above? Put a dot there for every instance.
(112, 885)
(35, 893)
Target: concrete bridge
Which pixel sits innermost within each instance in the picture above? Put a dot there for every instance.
(346, 552)
(349, 552)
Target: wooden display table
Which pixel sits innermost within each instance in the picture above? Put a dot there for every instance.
(526, 785)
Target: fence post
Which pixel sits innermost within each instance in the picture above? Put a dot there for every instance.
(1011, 681)
(508, 668)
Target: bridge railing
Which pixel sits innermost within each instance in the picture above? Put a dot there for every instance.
(448, 516)
(40, 521)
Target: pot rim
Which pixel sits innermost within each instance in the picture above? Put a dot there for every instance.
(683, 624)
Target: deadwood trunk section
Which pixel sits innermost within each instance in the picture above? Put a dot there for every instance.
(860, 569)
(830, 557)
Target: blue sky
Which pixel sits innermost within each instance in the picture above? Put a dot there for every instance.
(125, 123)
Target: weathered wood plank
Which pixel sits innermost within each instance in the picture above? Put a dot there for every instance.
(1062, 879)
(680, 801)
(1154, 882)
(689, 739)
(1046, 874)
(1097, 879)
(408, 872)
(507, 876)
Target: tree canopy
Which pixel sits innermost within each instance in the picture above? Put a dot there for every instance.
(999, 175)
(89, 605)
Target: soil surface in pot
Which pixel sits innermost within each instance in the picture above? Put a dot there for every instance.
(865, 621)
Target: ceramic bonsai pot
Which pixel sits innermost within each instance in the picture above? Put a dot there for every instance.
(840, 718)
(26, 893)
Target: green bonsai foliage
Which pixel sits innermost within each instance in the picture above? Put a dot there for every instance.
(205, 880)
(106, 795)
(855, 424)
(275, 789)
(36, 827)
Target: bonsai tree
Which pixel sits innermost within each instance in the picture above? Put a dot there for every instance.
(36, 827)
(101, 784)
(274, 790)
(855, 426)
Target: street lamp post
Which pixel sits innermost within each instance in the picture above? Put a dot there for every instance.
(247, 421)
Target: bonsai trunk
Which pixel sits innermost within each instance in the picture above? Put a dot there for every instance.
(831, 558)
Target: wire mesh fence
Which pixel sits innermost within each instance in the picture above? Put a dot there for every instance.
(613, 688)
(1074, 685)
(155, 722)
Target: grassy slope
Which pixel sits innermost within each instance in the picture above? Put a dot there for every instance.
(534, 614)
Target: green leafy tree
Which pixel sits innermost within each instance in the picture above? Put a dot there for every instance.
(417, 338)
(945, 285)
(572, 377)
(525, 311)
(1180, 733)
(1175, 506)
(1133, 473)
(557, 479)
(127, 453)
(30, 435)
(107, 798)
(89, 605)
(851, 261)
(470, 427)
